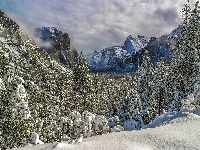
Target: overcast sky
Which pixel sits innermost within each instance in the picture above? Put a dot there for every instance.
(97, 24)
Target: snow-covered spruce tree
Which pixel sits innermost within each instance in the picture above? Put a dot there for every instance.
(170, 85)
(124, 111)
(116, 86)
(145, 76)
(82, 81)
(135, 120)
(187, 50)
(159, 87)
(98, 95)
(64, 84)
(176, 104)
(95, 97)
(96, 91)
(174, 85)
(195, 76)
(112, 105)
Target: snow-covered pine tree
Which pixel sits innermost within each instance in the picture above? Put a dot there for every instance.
(112, 105)
(116, 86)
(159, 86)
(195, 44)
(187, 49)
(174, 86)
(96, 93)
(82, 81)
(145, 76)
(99, 96)
(124, 112)
(135, 110)
(176, 103)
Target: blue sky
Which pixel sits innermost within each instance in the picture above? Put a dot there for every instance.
(96, 24)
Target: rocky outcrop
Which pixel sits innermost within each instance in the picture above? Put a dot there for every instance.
(58, 44)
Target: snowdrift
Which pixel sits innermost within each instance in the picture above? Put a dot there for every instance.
(170, 131)
(170, 118)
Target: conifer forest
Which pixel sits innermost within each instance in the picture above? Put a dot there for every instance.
(43, 101)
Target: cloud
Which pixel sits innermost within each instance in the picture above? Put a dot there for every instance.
(169, 15)
(98, 24)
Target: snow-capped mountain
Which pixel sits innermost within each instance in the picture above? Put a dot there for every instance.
(125, 58)
(135, 44)
(118, 58)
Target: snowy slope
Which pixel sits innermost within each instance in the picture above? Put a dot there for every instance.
(181, 132)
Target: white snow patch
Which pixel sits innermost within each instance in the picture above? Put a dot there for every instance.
(180, 132)
(171, 117)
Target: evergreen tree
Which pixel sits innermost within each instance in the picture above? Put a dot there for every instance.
(124, 114)
(159, 87)
(15, 120)
(82, 80)
(174, 86)
(176, 103)
(184, 67)
(187, 50)
(112, 105)
(145, 76)
(135, 110)
(99, 97)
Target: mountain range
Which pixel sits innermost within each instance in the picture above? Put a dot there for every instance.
(128, 57)
(124, 58)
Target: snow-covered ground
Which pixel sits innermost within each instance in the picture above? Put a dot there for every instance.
(171, 131)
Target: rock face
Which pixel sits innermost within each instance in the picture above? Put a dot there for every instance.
(126, 58)
(58, 43)
(135, 44)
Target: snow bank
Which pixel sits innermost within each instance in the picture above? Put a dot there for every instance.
(117, 128)
(136, 139)
(182, 132)
(171, 117)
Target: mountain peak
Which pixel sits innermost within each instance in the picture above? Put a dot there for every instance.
(59, 43)
(125, 58)
(134, 44)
